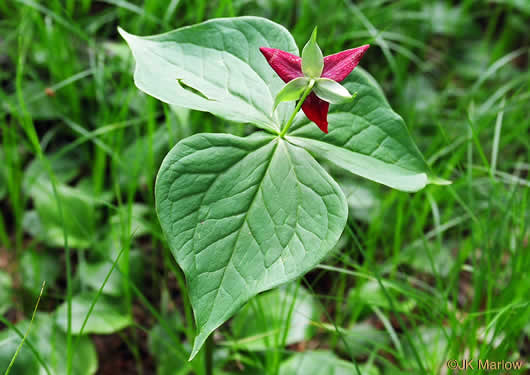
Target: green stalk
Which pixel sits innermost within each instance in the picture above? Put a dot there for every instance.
(208, 355)
(27, 331)
(297, 109)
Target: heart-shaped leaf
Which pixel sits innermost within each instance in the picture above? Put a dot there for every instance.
(243, 215)
(215, 66)
(367, 138)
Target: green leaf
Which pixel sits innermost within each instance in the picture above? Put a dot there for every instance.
(262, 323)
(312, 58)
(94, 273)
(367, 138)
(162, 347)
(364, 198)
(160, 342)
(50, 342)
(429, 257)
(3, 175)
(363, 339)
(331, 91)
(521, 5)
(447, 20)
(144, 155)
(431, 343)
(78, 213)
(215, 66)
(106, 317)
(371, 294)
(65, 168)
(291, 91)
(316, 363)
(36, 267)
(364, 165)
(37, 103)
(133, 217)
(243, 215)
(6, 292)
(323, 362)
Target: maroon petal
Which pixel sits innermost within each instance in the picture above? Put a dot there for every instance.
(317, 111)
(338, 66)
(287, 65)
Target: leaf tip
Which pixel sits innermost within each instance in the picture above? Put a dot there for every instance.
(128, 37)
(124, 34)
(314, 34)
(439, 181)
(197, 344)
(193, 354)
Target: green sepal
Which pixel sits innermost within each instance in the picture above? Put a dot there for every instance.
(332, 91)
(312, 58)
(293, 90)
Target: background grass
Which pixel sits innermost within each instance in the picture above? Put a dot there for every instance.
(417, 278)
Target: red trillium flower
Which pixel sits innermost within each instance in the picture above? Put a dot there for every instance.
(323, 72)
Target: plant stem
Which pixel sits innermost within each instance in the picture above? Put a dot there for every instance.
(208, 355)
(27, 331)
(297, 108)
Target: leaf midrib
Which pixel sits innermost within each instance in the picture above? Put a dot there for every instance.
(316, 156)
(387, 135)
(244, 220)
(244, 100)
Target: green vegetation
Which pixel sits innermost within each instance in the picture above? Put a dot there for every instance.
(416, 279)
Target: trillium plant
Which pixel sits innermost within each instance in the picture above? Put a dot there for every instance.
(243, 215)
(314, 73)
